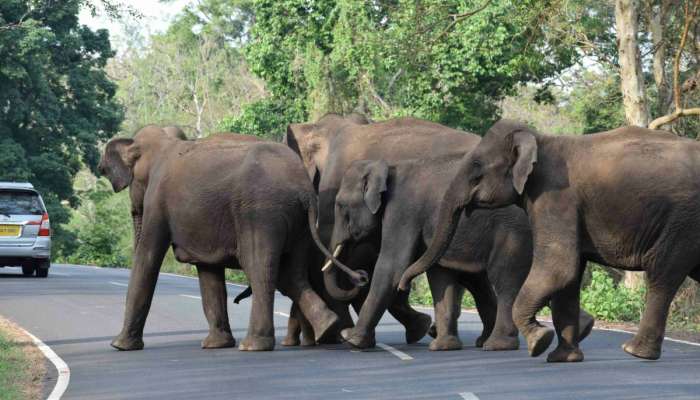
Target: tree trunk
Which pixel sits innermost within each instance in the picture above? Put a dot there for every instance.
(632, 81)
(657, 26)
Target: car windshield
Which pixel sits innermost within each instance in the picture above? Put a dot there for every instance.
(20, 203)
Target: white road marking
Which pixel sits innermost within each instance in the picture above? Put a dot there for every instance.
(61, 367)
(195, 278)
(468, 396)
(400, 354)
(282, 314)
(191, 297)
(119, 284)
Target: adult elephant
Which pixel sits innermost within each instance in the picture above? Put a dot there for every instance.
(258, 216)
(328, 147)
(399, 203)
(626, 198)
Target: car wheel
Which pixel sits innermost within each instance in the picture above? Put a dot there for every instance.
(42, 268)
(27, 270)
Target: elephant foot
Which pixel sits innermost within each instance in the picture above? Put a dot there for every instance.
(358, 341)
(218, 340)
(418, 328)
(501, 343)
(432, 331)
(585, 325)
(639, 349)
(289, 341)
(561, 354)
(538, 340)
(445, 343)
(125, 343)
(481, 340)
(257, 343)
(327, 328)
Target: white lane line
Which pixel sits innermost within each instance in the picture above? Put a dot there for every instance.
(282, 314)
(665, 338)
(400, 354)
(468, 396)
(195, 278)
(118, 284)
(191, 297)
(61, 367)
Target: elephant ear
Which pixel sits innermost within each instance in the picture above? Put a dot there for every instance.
(376, 176)
(117, 163)
(175, 132)
(525, 154)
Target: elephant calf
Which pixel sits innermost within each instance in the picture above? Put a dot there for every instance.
(401, 202)
(241, 203)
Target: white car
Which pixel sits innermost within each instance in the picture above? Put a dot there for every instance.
(25, 232)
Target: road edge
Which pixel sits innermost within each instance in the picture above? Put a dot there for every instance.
(63, 370)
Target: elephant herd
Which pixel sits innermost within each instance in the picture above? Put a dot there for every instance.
(512, 218)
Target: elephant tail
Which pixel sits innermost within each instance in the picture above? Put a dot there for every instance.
(243, 295)
(359, 277)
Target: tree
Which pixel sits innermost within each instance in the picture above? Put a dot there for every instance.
(448, 61)
(631, 79)
(192, 75)
(57, 102)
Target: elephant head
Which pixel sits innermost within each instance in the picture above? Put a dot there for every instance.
(493, 175)
(311, 141)
(127, 163)
(357, 213)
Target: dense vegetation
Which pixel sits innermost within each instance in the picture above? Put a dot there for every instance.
(253, 66)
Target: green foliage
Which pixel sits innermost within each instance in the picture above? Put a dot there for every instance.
(402, 57)
(58, 103)
(608, 301)
(193, 75)
(596, 101)
(102, 235)
(267, 118)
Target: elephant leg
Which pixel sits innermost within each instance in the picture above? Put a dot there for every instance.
(259, 257)
(661, 288)
(416, 323)
(297, 326)
(447, 296)
(212, 287)
(485, 299)
(565, 306)
(294, 283)
(293, 327)
(397, 252)
(148, 257)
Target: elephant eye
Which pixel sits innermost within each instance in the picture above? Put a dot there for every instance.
(476, 164)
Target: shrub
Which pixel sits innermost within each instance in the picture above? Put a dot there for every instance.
(610, 302)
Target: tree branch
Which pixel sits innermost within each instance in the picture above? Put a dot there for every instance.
(458, 17)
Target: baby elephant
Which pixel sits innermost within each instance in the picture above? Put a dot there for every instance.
(240, 203)
(402, 202)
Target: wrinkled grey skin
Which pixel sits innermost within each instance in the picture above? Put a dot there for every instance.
(626, 198)
(327, 148)
(256, 217)
(400, 202)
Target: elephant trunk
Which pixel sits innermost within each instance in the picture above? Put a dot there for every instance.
(137, 220)
(448, 218)
(330, 280)
(359, 278)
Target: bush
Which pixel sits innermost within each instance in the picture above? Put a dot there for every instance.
(420, 294)
(610, 302)
(267, 118)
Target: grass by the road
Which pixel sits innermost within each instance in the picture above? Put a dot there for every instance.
(22, 365)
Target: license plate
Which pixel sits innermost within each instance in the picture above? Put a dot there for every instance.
(9, 230)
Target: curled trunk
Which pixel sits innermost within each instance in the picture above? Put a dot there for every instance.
(330, 279)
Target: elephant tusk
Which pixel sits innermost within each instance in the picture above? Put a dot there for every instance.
(336, 253)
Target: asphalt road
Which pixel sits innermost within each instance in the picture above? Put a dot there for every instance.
(77, 311)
